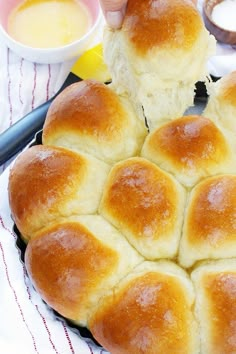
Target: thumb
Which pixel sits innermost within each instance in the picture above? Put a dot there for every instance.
(114, 11)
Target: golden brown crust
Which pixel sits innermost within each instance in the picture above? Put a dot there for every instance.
(142, 197)
(227, 89)
(50, 182)
(41, 178)
(211, 213)
(191, 148)
(220, 292)
(163, 24)
(89, 117)
(189, 143)
(89, 108)
(67, 264)
(149, 315)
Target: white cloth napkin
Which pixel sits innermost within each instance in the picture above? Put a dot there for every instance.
(27, 325)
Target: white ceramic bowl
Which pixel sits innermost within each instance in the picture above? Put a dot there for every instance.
(50, 55)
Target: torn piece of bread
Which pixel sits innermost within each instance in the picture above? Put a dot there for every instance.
(158, 55)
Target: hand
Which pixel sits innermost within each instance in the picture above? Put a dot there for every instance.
(114, 11)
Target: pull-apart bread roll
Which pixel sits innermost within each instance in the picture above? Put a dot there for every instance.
(210, 222)
(89, 117)
(47, 183)
(147, 205)
(158, 55)
(150, 312)
(215, 285)
(221, 107)
(72, 264)
(113, 212)
(191, 148)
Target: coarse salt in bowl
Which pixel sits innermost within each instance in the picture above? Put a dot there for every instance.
(221, 26)
(50, 55)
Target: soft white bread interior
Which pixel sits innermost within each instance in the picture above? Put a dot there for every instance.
(215, 287)
(158, 55)
(47, 183)
(147, 205)
(210, 222)
(221, 106)
(191, 148)
(150, 311)
(89, 117)
(72, 263)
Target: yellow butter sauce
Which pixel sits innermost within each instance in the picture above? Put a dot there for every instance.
(49, 23)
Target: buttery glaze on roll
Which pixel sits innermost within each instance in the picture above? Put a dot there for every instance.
(215, 286)
(89, 117)
(191, 148)
(48, 183)
(210, 222)
(152, 58)
(146, 205)
(72, 263)
(149, 312)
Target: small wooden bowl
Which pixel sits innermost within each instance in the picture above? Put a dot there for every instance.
(221, 34)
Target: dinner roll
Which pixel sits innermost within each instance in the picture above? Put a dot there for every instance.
(191, 148)
(221, 105)
(148, 312)
(215, 285)
(72, 263)
(210, 222)
(47, 183)
(158, 55)
(89, 117)
(146, 205)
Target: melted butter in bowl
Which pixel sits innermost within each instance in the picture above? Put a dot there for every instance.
(50, 31)
(49, 24)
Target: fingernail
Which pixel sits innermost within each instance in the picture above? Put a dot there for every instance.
(114, 19)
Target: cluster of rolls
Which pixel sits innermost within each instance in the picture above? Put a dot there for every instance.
(130, 232)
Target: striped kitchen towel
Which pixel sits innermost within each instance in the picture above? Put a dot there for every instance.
(25, 85)
(27, 325)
